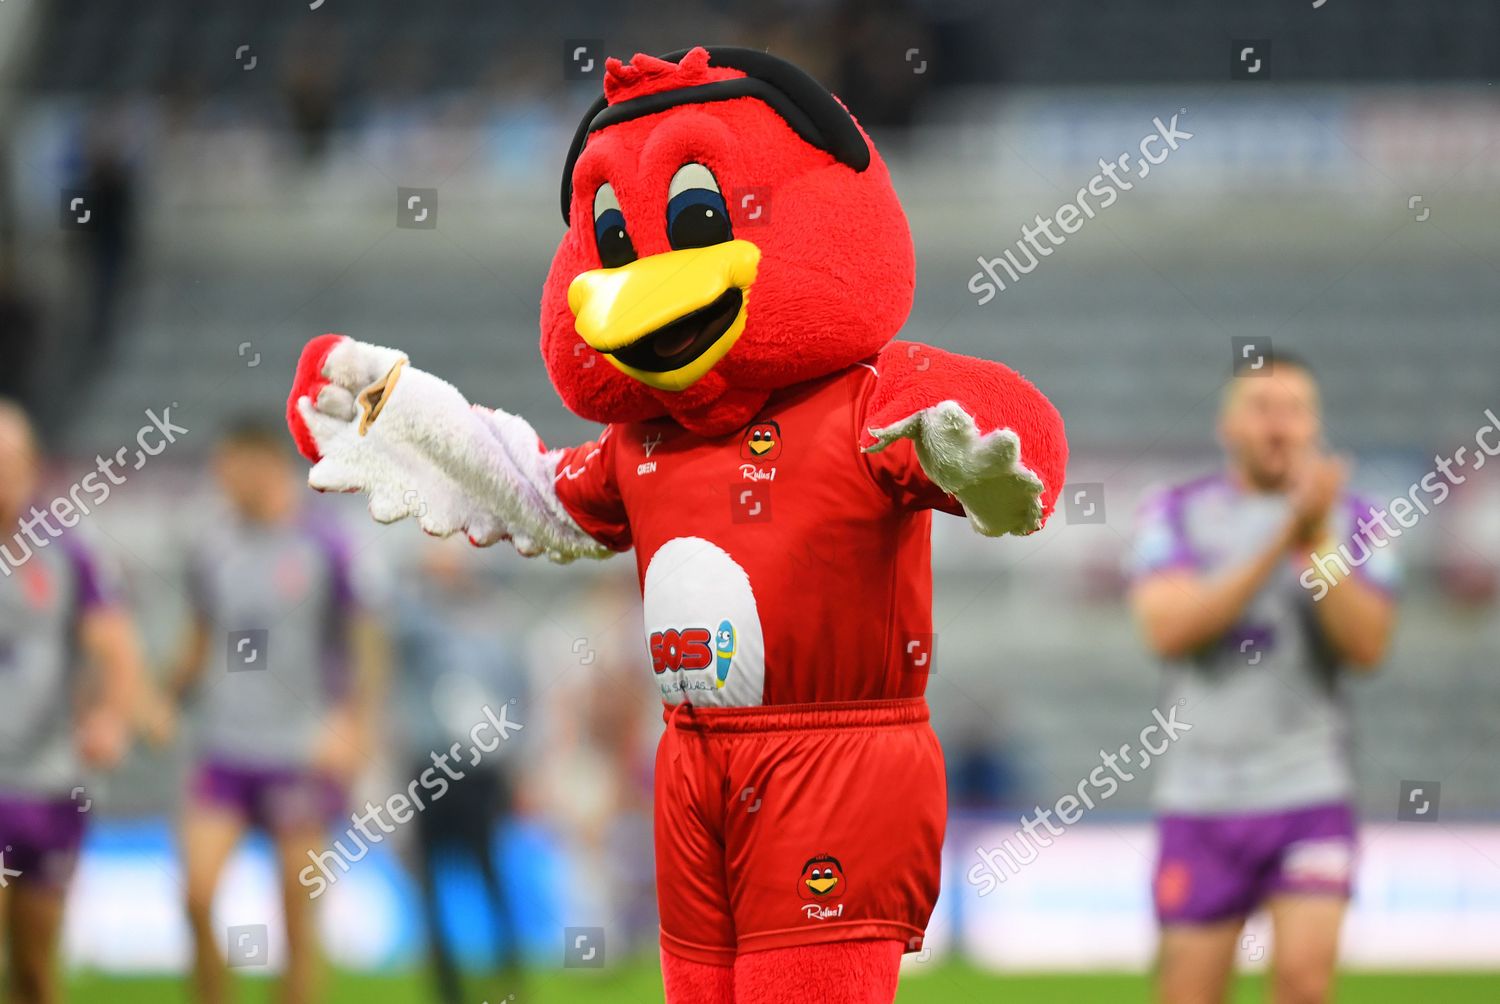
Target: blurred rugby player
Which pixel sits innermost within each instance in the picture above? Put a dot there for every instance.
(56, 723)
(286, 713)
(1255, 807)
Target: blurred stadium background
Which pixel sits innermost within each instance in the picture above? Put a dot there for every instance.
(244, 161)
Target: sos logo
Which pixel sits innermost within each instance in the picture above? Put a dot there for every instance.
(688, 649)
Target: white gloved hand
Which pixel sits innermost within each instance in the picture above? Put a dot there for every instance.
(982, 471)
(416, 446)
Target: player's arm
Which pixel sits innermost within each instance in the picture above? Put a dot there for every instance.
(160, 704)
(409, 440)
(187, 667)
(1355, 611)
(1357, 618)
(1181, 611)
(1355, 606)
(349, 736)
(371, 653)
(108, 639)
(980, 432)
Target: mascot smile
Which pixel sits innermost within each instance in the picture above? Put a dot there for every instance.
(735, 268)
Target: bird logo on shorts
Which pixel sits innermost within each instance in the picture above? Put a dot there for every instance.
(822, 876)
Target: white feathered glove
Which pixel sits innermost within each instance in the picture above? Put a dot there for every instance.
(982, 471)
(417, 448)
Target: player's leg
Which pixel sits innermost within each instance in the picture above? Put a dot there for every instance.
(39, 841)
(301, 978)
(495, 810)
(435, 846)
(210, 832)
(34, 922)
(1195, 962)
(1306, 931)
(297, 806)
(689, 982)
(842, 972)
(1307, 897)
(1210, 875)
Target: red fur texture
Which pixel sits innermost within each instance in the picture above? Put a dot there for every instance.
(848, 972)
(689, 982)
(307, 383)
(836, 271)
(914, 377)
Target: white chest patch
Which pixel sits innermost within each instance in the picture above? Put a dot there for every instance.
(702, 626)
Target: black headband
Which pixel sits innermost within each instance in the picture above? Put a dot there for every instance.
(804, 104)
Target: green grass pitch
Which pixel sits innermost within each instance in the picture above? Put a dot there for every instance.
(641, 984)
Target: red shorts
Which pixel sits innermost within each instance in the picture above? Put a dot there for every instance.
(797, 825)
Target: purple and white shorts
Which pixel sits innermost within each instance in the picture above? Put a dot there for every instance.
(1212, 868)
(271, 798)
(40, 837)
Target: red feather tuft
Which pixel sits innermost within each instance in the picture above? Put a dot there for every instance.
(645, 74)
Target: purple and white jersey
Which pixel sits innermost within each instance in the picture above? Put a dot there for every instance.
(1270, 722)
(42, 600)
(277, 600)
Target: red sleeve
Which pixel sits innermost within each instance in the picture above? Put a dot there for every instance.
(895, 469)
(588, 489)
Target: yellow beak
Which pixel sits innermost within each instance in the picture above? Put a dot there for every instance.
(821, 885)
(667, 319)
(760, 447)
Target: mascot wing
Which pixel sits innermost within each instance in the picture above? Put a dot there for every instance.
(372, 423)
(981, 432)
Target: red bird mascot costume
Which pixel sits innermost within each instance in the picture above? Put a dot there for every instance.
(735, 268)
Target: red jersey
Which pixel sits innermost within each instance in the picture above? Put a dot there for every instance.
(779, 564)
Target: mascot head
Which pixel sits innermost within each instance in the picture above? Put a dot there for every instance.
(731, 231)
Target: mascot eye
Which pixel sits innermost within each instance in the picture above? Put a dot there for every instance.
(696, 216)
(610, 235)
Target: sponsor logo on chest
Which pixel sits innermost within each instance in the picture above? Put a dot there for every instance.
(759, 447)
(674, 650)
(648, 446)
